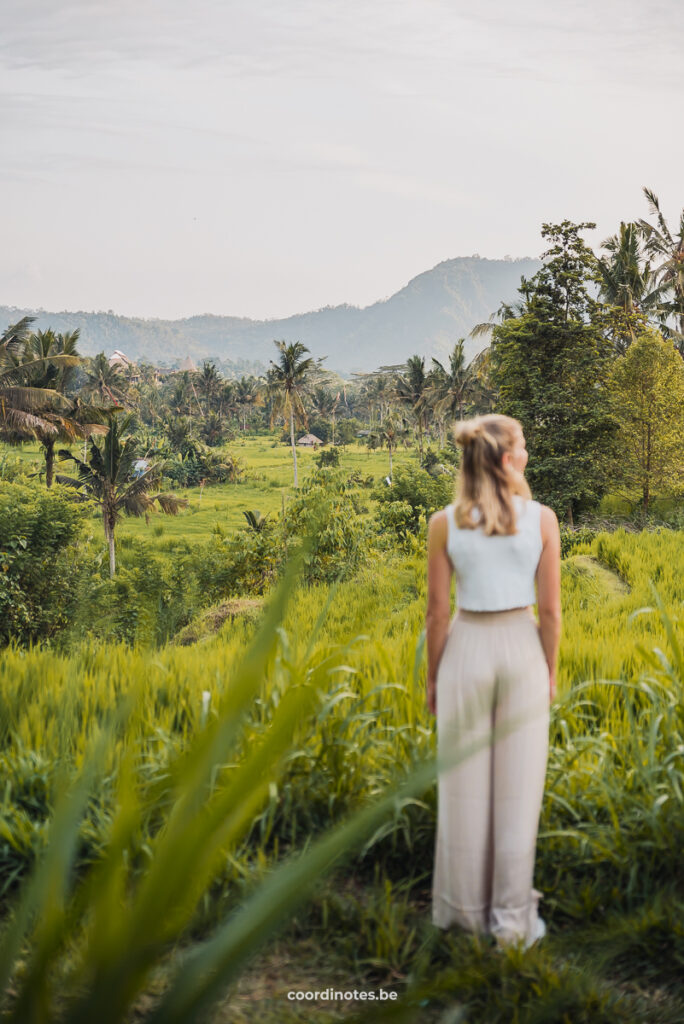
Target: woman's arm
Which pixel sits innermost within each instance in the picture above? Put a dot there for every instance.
(548, 592)
(438, 614)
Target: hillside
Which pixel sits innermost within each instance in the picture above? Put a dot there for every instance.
(426, 317)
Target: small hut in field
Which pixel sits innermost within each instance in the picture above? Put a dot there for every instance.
(309, 441)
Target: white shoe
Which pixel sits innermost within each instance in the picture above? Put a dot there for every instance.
(540, 932)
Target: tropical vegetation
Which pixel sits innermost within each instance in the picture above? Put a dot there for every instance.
(217, 760)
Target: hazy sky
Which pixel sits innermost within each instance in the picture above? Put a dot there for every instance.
(265, 157)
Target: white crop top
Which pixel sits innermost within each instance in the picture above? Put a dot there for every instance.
(496, 572)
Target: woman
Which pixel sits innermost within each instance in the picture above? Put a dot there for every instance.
(491, 676)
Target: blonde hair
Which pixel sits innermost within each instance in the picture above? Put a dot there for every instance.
(484, 481)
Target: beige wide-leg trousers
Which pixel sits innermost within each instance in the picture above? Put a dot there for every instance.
(492, 690)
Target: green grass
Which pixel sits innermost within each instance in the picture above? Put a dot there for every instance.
(612, 829)
(268, 481)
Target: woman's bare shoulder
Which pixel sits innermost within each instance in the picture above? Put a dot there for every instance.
(548, 522)
(438, 526)
(440, 516)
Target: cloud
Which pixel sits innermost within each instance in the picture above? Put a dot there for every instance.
(355, 130)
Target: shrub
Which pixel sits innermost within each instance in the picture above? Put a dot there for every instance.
(415, 487)
(199, 462)
(12, 467)
(430, 458)
(247, 562)
(357, 479)
(571, 539)
(151, 597)
(396, 518)
(326, 507)
(328, 457)
(39, 564)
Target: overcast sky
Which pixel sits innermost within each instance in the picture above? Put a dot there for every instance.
(266, 157)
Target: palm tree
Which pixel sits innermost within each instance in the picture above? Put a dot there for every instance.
(75, 421)
(452, 390)
(81, 422)
(411, 390)
(506, 311)
(382, 393)
(484, 391)
(247, 394)
(662, 244)
(256, 520)
(179, 434)
(324, 403)
(26, 406)
(287, 386)
(180, 398)
(209, 383)
(625, 276)
(44, 345)
(211, 430)
(104, 381)
(390, 433)
(378, 387)
(626, 281)
(107, 478)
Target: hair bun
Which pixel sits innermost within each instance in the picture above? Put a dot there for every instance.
(467, 431)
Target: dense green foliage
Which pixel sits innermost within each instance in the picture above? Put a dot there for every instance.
(412, 498)
(550, 365)
(40, 567)
(329, 509)
(647, 390)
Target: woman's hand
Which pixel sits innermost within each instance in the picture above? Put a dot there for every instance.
(432, 696)
(552, 685)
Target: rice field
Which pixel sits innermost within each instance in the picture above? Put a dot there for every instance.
(266, 482)
(256, 805)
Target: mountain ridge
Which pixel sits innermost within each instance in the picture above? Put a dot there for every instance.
(426, 316)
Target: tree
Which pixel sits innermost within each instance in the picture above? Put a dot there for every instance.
(663, 245)
(211, 430)
(347, 430)
(74, 420)
(39, 562)
(377, 390)
(382, 394)
(247, 395)
(647, 387)
(389, 433)
(180, 435)
(550, 365)
(452, 390)
(323, 402)
(23, 404)
(180, 400)
(208, 383)
(411, 388)
(418, 494)
(627, 283)
(107, 478)
(287, 386)
(485, 395)
(105, 381)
